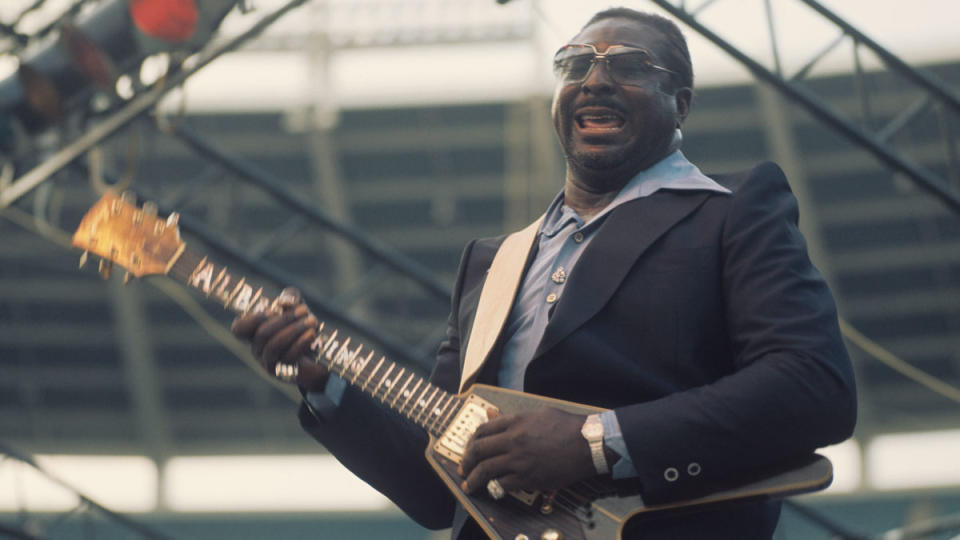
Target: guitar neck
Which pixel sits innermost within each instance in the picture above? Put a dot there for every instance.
(394, 386)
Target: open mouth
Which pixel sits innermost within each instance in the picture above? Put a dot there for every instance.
(599, 120)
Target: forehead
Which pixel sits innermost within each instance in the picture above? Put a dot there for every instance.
(622, 31)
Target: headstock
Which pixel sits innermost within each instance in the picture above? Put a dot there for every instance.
(135, 238)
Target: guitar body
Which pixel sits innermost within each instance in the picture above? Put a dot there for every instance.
(600, 510)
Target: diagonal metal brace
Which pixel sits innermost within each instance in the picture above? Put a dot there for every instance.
(920, 175)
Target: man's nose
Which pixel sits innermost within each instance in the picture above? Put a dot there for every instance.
(598, 80)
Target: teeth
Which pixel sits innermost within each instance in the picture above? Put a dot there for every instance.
(612, 120)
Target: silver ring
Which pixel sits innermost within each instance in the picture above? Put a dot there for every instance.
(495, 489)
(286, 372)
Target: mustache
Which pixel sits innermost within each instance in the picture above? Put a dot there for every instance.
(604, 102)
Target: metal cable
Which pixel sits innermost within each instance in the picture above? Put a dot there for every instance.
(897, 364)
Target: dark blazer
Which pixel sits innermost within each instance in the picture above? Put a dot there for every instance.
(695, 315)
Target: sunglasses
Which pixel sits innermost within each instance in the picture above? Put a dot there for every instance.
(625, 64)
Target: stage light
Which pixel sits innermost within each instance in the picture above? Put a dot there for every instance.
(174, 21)
(60, 72)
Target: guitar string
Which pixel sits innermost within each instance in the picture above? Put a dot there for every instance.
(574, 512)
(581, 503)
(573, 506)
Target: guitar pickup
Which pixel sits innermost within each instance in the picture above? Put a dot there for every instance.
(453, 442)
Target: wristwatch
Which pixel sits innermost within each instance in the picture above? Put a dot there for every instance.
(592, 431)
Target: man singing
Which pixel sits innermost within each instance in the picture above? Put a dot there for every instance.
(684, 304)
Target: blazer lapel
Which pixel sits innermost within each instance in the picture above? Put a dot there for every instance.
(627, 232)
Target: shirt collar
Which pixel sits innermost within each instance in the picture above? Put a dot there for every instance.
(671, 172)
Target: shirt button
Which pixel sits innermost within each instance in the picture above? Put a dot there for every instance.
(578, 237)
(552, 297)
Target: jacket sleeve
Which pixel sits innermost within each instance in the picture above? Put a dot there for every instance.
(791, 389)
(386, 450)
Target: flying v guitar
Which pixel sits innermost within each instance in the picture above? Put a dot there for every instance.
(136, 239)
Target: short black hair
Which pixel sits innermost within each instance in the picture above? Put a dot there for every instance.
(677, 56)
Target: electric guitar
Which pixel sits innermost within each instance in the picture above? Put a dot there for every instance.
(136, 239)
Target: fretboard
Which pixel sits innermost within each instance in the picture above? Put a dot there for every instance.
(394, 386)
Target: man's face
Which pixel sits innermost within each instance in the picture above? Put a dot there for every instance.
(604, 126)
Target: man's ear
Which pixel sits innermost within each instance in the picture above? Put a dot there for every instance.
(683, 97)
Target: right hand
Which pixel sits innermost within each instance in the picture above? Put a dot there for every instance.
(283, 336)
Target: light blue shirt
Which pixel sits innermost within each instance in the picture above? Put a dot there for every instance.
(563, 238)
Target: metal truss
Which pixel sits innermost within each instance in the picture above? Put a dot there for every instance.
(136, 107)
(877, 141)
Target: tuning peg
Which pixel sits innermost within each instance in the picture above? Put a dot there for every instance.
(150, 208)
(173, 219)
(127, 278)
(83, 258)
(128, 197)
(105, 268)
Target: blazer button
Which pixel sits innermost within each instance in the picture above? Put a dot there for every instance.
(578, 237)
(551, 298)
(671, 474)
(693, 469)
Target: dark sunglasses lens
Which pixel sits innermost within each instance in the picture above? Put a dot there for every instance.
(630, 67)
(572, 67)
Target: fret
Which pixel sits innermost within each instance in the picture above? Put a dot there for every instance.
(382, 379)
(201, 275)
(216, 282)
(426, 406)
(445, 421)
(318, 344)
(361, 365)
(330, 343)
(402, 390)
(432, 414)
(372, 373)
(236, 290)
(240, 298)
(392, 383)
(255, 302)
(348, 365)
(410, 395)
(341, 358)
(438, 412)
(342, 352)
(221, 289)
(420, 401)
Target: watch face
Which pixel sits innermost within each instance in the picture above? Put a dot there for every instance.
(592, 430)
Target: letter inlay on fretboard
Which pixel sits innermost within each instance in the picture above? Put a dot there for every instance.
(384, 380)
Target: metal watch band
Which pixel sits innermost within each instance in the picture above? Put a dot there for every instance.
(593, 432)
